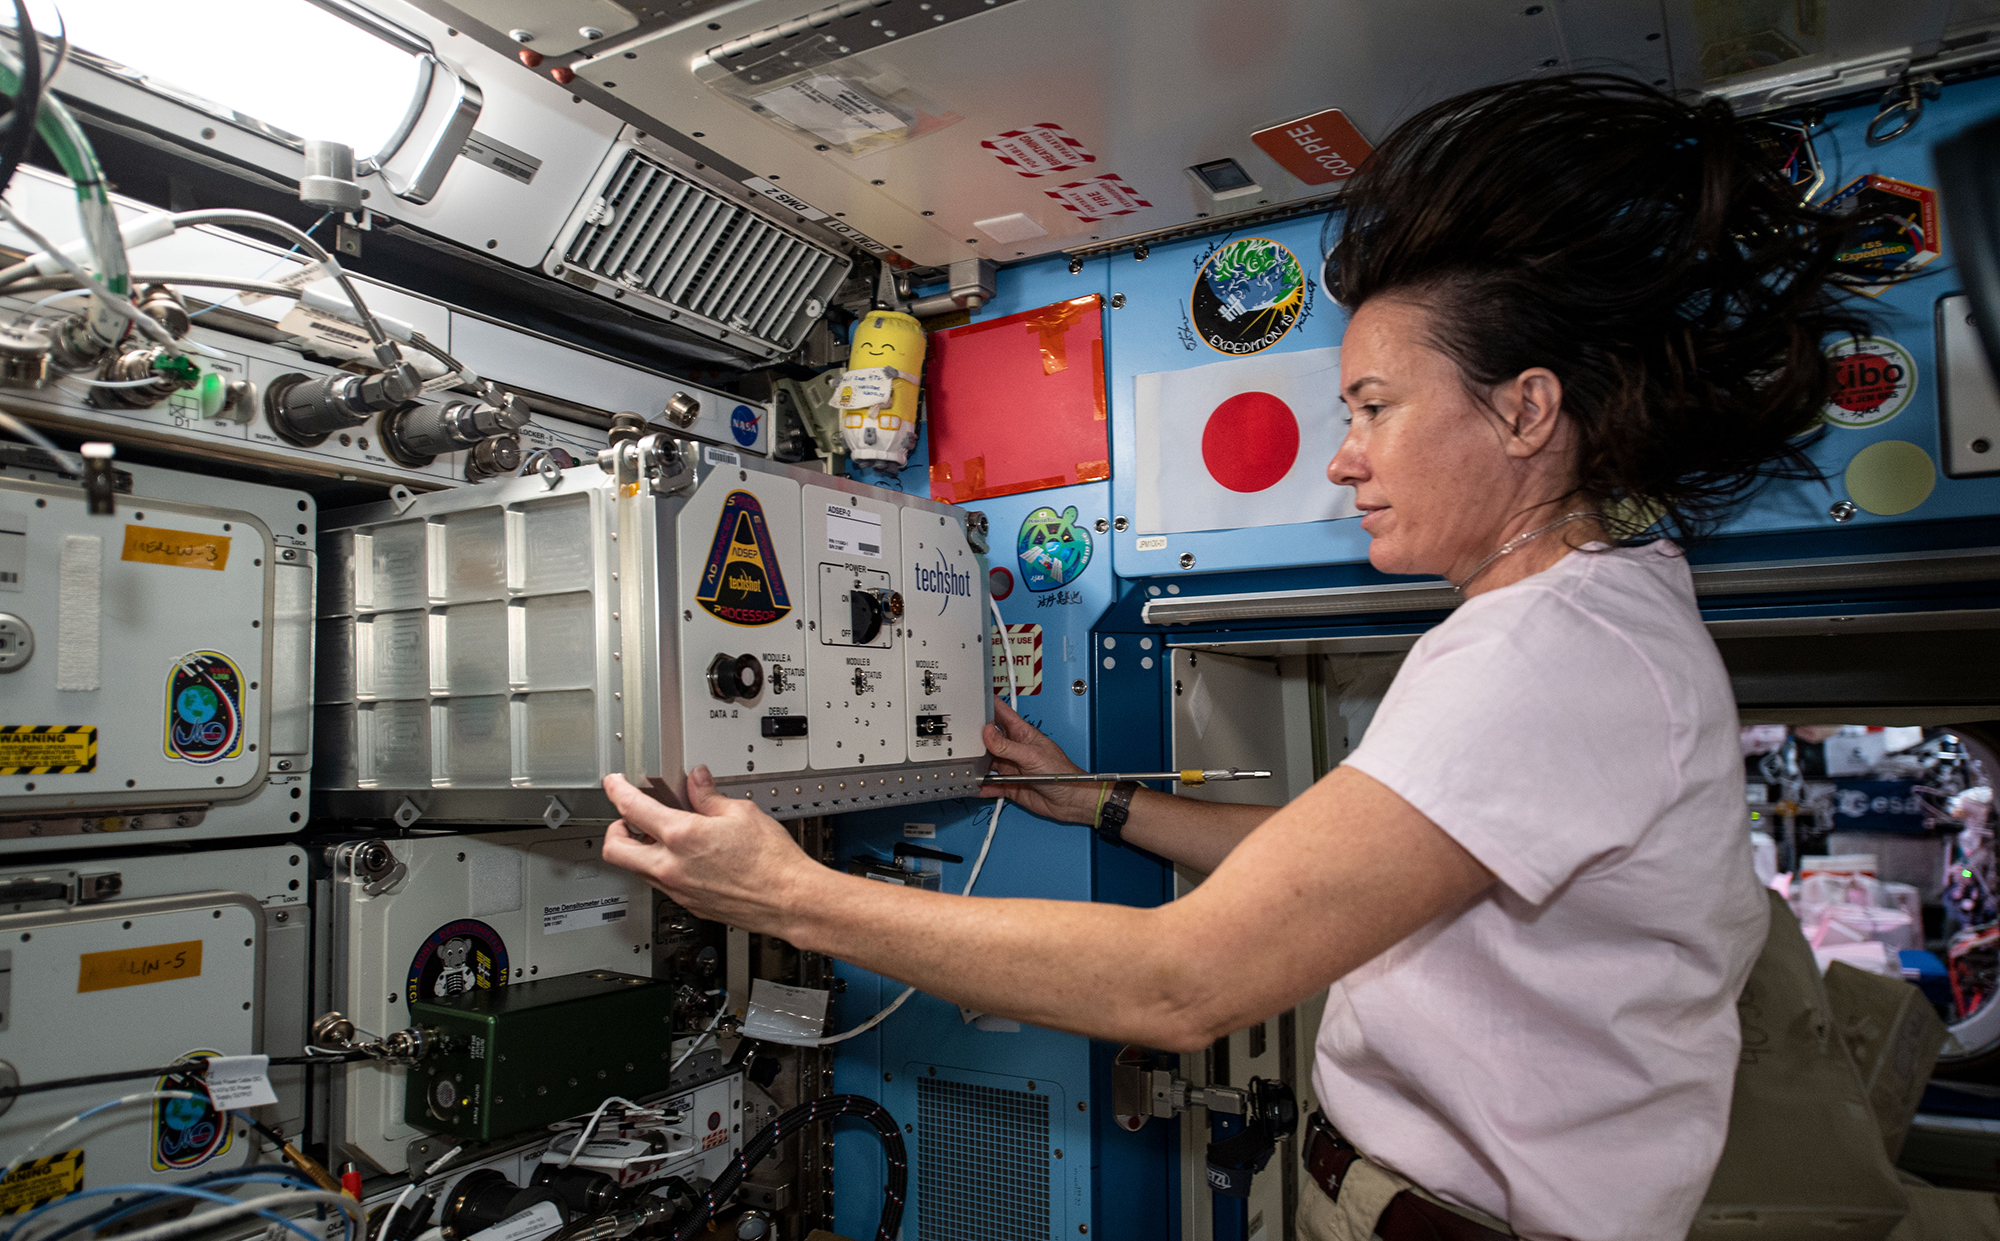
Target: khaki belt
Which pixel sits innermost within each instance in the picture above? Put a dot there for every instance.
(1408, 1216)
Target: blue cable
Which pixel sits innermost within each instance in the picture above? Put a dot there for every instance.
(183, 1190)
(265, 1174)
(233, 296)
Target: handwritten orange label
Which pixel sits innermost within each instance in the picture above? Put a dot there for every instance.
(131, 967)
(180, 548)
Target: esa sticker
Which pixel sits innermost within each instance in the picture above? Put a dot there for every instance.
(1053, 548)
(1247, 296)
(741, 582)
(204, 708)
(743, 422)
(1873, 381)
(466, 955)
(187, 1132)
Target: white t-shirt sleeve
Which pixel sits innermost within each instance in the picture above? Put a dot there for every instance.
(1533, 734)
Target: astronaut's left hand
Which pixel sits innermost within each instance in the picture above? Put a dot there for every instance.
(723, 859)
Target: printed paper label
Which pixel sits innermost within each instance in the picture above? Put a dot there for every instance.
(836, 111)
(919, 831)
(532, 1224)
(581, 915)
(296, 279)
(132, 967)
(853, 531)
(1151, 543)
(239, 1082)
(501, 158)
(719, 456)
(13, 559)
(180, 548)
(329, 332)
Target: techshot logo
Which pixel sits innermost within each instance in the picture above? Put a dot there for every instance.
(942, 581)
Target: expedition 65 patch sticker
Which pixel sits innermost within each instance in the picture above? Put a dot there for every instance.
(204, 708)
(741, 582)
(1873, 381)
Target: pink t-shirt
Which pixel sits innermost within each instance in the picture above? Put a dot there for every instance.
(1562, 1053)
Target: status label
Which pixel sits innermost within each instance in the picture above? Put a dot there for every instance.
(132, 967)
(47, 749)
(180, 548)
(41, 1181)
(1318, 149)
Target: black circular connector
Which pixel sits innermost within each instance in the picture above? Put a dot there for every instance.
(736, 678)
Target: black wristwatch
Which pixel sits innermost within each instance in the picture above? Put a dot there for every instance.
(1117, 808)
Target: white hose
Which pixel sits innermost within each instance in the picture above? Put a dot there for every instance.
(985, 846)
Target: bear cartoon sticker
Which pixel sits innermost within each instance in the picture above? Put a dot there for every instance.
(457, 958)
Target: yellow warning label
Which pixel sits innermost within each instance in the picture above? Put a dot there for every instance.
(152, 545)
(131, 967)
(41, 1181)
(47, 749)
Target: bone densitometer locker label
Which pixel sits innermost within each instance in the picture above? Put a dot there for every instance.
(579, 915)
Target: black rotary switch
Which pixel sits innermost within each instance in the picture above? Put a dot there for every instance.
(735, 678)
(864, 616)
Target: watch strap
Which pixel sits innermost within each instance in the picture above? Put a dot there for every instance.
(1114, 810)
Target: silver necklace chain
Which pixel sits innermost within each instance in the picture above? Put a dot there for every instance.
(1516, 542)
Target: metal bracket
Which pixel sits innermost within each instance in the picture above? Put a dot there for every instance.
(402, 498)
(556, 815)
(407, 813)
(666, 463)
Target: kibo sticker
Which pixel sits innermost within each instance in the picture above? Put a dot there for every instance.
(204, 708)
(1873, 381)
(1053, 548)
(741, 582)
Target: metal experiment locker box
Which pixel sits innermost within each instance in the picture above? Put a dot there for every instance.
(124, 962)
(155, 662)
(490, 654)
(443, 916)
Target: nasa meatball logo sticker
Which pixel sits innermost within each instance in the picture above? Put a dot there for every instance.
(1053, 547)
(458, 957)
(743, 422)
(1247, 296)
(204, 708)
(1873, 381)
(741, 582)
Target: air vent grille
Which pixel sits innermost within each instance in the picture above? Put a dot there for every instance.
(656, 233)
(982, 1163)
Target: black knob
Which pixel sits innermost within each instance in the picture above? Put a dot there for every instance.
(864, 616)
(735, 678)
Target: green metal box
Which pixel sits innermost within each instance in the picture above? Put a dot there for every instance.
(522, 1055)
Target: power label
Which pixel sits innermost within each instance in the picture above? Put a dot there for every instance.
(47, 749)
(39, 1182)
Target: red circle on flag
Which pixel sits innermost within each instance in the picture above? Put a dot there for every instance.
(1250, 442)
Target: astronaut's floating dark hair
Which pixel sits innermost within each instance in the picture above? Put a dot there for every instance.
(1641, 248)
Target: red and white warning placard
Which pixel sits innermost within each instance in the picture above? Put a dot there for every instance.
(1038, 150)
(1098, 198)
(1024, 644)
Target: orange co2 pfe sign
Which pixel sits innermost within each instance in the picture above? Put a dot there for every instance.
(1318, 149)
